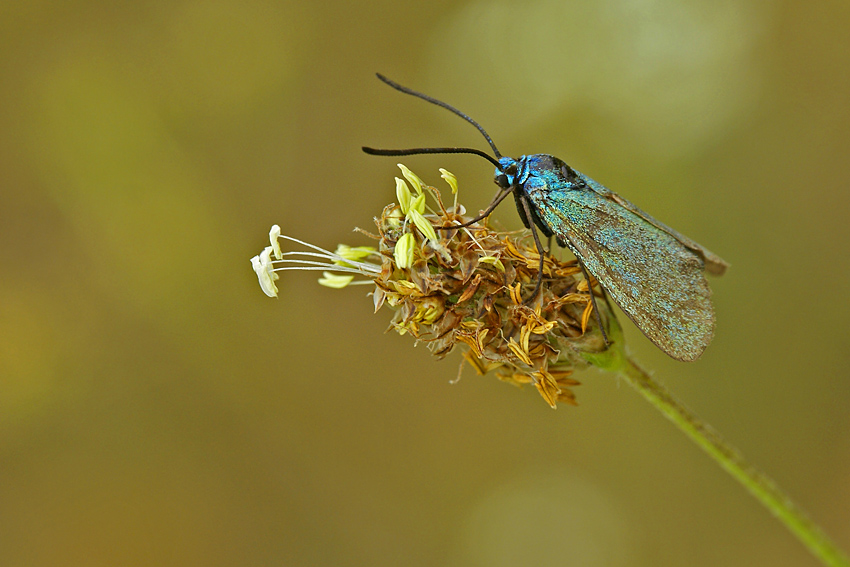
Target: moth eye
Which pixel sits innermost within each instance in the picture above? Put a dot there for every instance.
(502, 181)
(567, 171)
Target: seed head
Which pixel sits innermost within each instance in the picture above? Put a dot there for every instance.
(468, 288)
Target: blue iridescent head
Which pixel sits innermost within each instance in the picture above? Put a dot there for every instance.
(505, 175)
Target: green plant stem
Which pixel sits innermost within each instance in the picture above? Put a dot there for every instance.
(760, 486)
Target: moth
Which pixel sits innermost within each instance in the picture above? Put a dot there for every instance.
(653, 273)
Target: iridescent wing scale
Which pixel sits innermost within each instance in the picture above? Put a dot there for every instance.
(654, 274)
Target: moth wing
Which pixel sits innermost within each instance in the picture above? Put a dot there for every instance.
(714, 264)
(654, 274)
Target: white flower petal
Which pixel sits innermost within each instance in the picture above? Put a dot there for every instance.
(262, 265)
(274, 234)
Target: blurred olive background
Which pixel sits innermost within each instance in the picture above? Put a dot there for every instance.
(157, 409)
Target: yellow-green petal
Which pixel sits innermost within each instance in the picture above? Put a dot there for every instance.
(494, 261)
(414, 180)
(395, 217)
(356, 253)
(335, 281)
(418, 204)
(423, 225)
(403, 251)
(403, 194)
(450, 179)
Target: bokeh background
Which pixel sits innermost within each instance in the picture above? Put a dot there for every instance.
(157, 409)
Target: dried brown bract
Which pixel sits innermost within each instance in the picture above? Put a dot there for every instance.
(469, 288)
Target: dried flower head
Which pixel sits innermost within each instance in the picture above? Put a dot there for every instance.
(467, 288)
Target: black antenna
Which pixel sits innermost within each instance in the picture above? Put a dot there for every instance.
(523, 205)
(415, 151)
(432, 100)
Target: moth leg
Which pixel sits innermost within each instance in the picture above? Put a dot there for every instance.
(593, 301)
(540, 251)
(526, 222)
(493, 204)
(549, 245)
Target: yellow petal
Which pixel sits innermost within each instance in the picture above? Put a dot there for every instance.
(494, 261)
(547, 386)
(403, 251)
(354, 253)
(403, 194)
(585, 317)
(414, 180)
(423, 225)
(418, 204)
(335, 281)
(450, 179)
